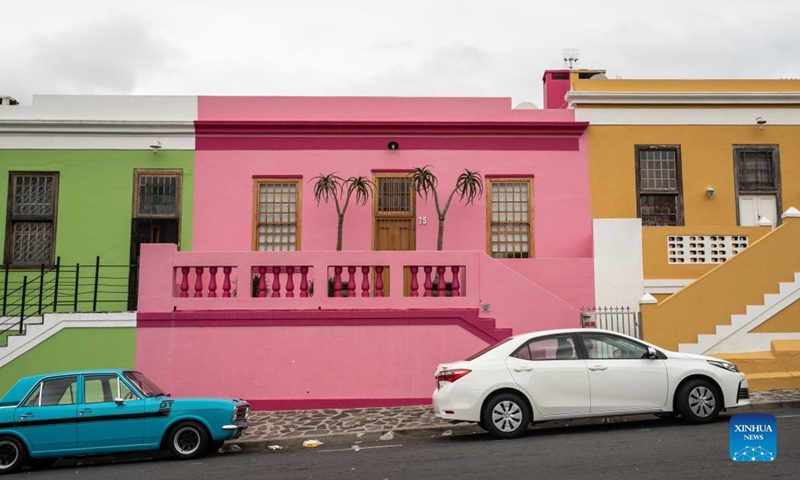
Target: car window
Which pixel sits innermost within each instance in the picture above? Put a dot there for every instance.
(104, 389)
(488, 349)
(559, 347)
(59, 391)
(599, 346)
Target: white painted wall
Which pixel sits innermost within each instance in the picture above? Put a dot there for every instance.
(687, 116)
(618, 265)
(99, 122)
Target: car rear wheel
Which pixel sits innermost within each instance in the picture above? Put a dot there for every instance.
(12, 454)
(187, 440)
(698, 401)
(505, 416)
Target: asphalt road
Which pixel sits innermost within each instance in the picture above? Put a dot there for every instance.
(650, 449)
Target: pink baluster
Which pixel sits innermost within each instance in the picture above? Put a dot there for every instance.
(262, 282)
(304, 282)
(414, 284)
(289, 282)
(378, 281)
(337, 281)
(428, 284)
(441, 285)
(226, 283)
(198, 284)
(456, 285)
(351, 282)
(185, 282)
(276, 282)
(212, 284)
(365, 281)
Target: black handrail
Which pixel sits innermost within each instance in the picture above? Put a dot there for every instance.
(63, 289)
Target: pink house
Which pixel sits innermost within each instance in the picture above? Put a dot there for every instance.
(264, 307)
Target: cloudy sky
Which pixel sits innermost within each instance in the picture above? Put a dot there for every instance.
(374, 47)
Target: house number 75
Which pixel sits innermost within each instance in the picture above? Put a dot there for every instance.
(422, 220)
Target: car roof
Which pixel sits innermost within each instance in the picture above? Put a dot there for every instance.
(23, 385)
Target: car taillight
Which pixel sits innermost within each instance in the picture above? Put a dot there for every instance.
(451, 375)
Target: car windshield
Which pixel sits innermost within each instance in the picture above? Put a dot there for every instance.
(144, 384)
(488, 349)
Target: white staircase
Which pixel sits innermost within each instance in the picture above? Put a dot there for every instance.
(734, 338)
(39, 329)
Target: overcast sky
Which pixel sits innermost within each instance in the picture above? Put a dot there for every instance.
(374, 47)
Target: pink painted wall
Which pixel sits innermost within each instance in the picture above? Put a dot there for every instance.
(291, 367)
(561, 202)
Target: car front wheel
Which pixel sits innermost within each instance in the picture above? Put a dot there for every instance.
(187, 440)
(505, 416)
(12, 454)
(698, 401)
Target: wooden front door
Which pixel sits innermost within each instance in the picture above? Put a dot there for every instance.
(393, 213)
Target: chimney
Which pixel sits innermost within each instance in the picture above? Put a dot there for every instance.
(8, 101)
(556, 84)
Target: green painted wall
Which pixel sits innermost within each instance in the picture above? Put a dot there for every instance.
(95, 205)
(73, 349)
(95, 198)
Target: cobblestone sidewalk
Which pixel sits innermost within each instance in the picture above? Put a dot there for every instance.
(281, 425)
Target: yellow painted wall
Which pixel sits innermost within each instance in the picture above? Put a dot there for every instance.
(786, 321)
(726, 290)
(706, 158)
(656, 239)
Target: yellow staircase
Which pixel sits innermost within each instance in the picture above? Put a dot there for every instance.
(777, 369)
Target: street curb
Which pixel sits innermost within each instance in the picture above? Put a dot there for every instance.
(363, 438)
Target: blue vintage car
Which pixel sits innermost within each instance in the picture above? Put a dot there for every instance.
(108, 411)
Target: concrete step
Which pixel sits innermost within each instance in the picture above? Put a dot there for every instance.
(760, 382)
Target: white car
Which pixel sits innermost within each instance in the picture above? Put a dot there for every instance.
(576, 373)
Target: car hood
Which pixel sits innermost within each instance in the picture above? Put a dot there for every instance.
(693, 356)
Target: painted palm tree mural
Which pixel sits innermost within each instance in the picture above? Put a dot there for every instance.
(332, 187)
(469, 186)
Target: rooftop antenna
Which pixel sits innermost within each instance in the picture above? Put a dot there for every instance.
(571, 58)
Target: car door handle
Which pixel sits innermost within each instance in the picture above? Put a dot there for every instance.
(523, 369)
(85, 410)
(27, 415)
(598, 367)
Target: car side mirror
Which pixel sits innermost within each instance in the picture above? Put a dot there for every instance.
(119, 401)
(652, 353)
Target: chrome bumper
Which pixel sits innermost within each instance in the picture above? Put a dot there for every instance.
(241, 426)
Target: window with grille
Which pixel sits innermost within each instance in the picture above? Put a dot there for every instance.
(157, 194)
(277, 225)
(30, 225)
(394, 195)
(658, 180)
(757, 169)
(510, 218)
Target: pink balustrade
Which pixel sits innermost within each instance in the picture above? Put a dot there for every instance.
(307, 280)
(369, 279)
(436, 280)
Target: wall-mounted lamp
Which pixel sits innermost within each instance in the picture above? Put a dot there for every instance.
(393, 146)
(710, 191)
(156, 147)
(761, 122)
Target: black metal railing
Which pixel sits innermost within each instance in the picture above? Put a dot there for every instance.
(65, 288)
(617, 319)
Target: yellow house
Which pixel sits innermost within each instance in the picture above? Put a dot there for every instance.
(693, 184)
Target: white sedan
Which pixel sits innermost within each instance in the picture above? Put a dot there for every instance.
(576, 373)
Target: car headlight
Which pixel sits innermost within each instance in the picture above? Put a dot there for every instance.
(726, 365)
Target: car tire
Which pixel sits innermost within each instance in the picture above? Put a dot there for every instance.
(698, 401)
(505, 416)
(214, 446)
(40, 463)
(12, 454)
(187, 440)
